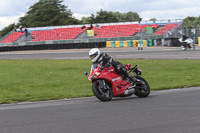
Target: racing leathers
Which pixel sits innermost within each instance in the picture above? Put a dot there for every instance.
(105, 61)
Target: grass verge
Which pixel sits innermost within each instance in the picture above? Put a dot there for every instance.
(38, 80)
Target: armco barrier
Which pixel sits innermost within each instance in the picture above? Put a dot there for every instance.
(117, 44)
(145, 43)
(129, 43)
(149, 43)
(108, 44)
(125, 44)
(112, 44)
(121, 44)
(199, 41)
(135, 43)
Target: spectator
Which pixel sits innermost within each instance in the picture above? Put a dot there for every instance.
(98, 26)
(15, 29)
(83, 27)
(26, 31)
(169, 33)
(180, 31)
(20, 27)
(153, 28)
(91, 26)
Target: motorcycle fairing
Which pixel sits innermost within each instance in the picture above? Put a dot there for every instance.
(118, 84)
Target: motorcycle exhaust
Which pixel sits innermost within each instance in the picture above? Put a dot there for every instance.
(130, 90)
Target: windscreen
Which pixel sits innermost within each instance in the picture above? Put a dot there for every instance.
(93, 67)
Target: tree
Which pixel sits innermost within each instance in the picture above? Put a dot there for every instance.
(7, 29)
(127, 17)
(48, 13)
(109, 17)
(88, 20)
(192, 21)
(105, 17)
(101, 17)
(153, 19)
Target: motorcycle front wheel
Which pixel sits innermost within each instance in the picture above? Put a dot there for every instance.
(103, 93)
(142, 90)
(183, 47)
(192, 47)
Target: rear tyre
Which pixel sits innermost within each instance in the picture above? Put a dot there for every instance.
(103, 94)
(142, 90)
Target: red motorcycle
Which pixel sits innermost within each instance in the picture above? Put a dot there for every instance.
(107, 83)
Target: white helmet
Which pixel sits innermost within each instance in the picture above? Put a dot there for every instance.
(94, 54)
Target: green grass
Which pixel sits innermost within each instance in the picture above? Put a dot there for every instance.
(36, 80)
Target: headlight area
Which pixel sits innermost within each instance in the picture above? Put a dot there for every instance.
(97, 74)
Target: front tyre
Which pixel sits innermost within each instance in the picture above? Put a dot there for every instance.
(183, 47)
(142, 90)
(102, 90)
(193, 47)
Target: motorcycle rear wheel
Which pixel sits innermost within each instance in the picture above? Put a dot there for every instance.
(102, 94)
(142, 90)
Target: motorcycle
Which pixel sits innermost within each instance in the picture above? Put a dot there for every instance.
(107, 83)
(187, 44)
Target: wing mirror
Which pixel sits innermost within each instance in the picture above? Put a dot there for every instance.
(86, 73)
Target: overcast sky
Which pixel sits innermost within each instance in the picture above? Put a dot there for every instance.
(11, 10)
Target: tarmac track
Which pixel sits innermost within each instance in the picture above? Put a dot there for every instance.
(169, 111)
(116, 53)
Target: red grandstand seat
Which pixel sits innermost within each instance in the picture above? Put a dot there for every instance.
(12, 37)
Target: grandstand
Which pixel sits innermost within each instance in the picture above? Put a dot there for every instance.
(12, 37)
(56, 34)
(168, 27)
(120, 30)
(58, 37)
(109, 30)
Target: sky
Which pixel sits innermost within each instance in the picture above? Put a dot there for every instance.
(12, 10)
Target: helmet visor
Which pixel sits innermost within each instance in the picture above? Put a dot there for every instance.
(93, 55)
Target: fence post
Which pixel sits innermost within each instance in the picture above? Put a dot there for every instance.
(164, 35)
(193, 33)
(58, 36)
(38, 37)
(187, 30)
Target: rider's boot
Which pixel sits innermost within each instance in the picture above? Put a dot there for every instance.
(133, 80)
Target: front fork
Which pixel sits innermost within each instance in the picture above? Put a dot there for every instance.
(101, 84)
(103, 87)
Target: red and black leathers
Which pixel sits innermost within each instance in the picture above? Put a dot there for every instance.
(105, 61)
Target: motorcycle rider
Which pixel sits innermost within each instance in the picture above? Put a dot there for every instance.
(98, 57)
(185, 40)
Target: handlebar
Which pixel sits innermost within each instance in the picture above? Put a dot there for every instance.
(131, 69)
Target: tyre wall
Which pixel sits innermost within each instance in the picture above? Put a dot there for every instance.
(53, 46)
